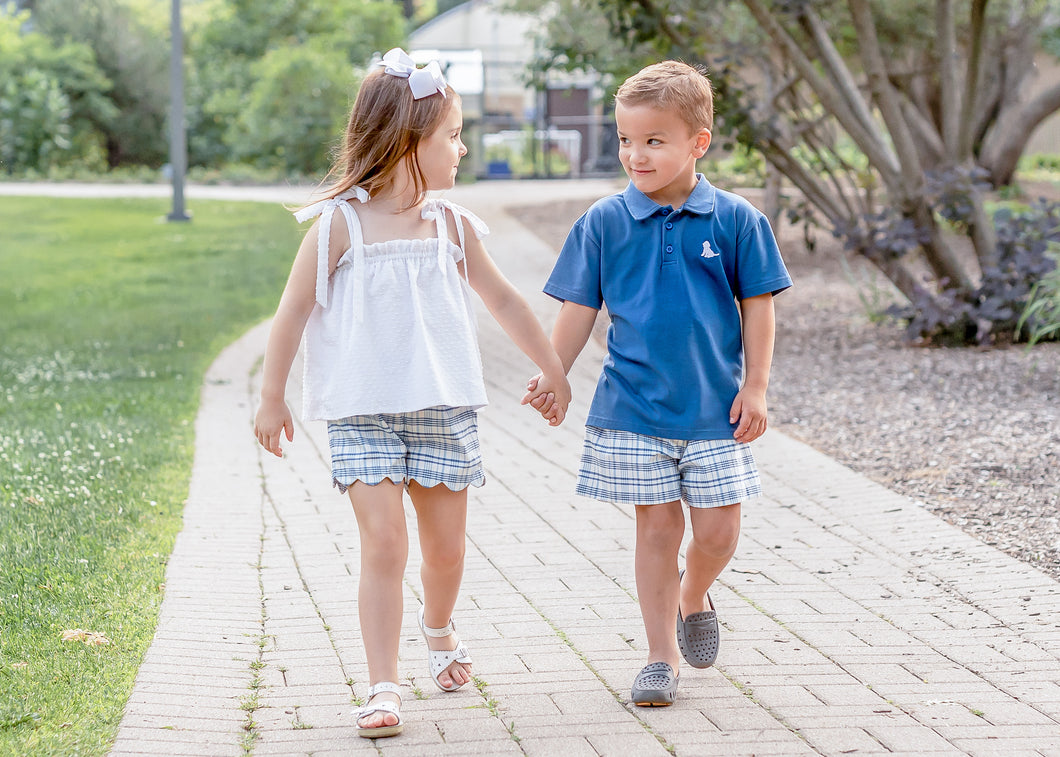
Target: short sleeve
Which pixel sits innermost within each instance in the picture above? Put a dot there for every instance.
(576, 275)
(760, 268)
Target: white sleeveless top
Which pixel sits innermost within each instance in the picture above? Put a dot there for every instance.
(393, 329)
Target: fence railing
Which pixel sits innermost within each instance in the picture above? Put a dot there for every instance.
(553, 148)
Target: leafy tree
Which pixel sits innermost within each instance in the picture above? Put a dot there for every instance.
(295, 109)
(34, 120)
(51, 99)
(892, 117)
(134, 55)
(237, 49)
(576, 38)
(448, 5)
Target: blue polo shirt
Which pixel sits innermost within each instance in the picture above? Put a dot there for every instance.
(670, 280)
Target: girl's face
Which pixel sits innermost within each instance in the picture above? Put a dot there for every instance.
(440, 152)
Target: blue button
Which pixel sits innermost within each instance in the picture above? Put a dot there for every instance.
(669, 225)
(669, 248)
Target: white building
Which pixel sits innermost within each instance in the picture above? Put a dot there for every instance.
(512, 126)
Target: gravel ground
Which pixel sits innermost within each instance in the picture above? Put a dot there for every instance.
(971, 434)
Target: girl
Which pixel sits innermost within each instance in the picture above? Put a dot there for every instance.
(392, 362)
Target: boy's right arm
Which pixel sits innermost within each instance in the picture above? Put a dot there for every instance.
(572, 329)
(296, 304)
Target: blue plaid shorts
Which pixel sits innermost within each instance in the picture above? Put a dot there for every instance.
(438, 445)
(629, 468)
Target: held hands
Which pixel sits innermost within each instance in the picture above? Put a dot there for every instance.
(549, 396)
(749, 410)
(273, 417)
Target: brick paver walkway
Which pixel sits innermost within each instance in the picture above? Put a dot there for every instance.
(854, 622)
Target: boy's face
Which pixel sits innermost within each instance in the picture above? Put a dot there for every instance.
(659, 152)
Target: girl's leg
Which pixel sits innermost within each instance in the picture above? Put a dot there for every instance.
(715, 532)
(441, 516)
(660, 529)
(384, 553)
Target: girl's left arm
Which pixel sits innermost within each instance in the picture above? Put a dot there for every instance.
(513, 313)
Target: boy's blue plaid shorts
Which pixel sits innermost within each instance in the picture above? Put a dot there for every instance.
(629, 468)
(438, 445)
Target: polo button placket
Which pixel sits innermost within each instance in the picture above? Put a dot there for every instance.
(668, 243)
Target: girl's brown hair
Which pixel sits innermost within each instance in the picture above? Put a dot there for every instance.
(386, 126)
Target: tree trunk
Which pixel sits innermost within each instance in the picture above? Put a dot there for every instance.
(771, 202)
(937, 251)
(1008, 139)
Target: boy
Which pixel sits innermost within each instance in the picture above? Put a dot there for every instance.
(670, 257)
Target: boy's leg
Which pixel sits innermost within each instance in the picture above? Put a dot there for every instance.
(660, 529)
(715, 532)
(384, 552)
(441, 516)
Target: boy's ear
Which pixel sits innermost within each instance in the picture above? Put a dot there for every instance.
(702, 142)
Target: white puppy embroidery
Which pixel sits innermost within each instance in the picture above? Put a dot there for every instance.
(708, 252)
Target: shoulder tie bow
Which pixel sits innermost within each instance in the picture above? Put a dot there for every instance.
(423, 82)
(326, 210)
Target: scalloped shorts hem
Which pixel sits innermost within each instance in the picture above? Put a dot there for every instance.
(434, 446)
(427, 484)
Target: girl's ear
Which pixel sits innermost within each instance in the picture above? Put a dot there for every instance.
(702, 143)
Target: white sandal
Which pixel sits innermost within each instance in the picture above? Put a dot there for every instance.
(438, 660)
(385, 705)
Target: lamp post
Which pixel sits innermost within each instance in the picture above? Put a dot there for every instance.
(178, 148)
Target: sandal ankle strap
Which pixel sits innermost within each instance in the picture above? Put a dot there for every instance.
(440, 633)
(384, 686)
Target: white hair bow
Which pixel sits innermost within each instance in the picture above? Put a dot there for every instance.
(423, 82)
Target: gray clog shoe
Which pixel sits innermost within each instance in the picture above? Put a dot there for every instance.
(698, 637)
(655, 686)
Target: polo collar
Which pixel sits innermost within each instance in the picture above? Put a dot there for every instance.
(701, 201)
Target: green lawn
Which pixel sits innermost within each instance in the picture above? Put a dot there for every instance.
(109, 317)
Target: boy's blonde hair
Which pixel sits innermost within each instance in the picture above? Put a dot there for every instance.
(385, 128)
(674, 86)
